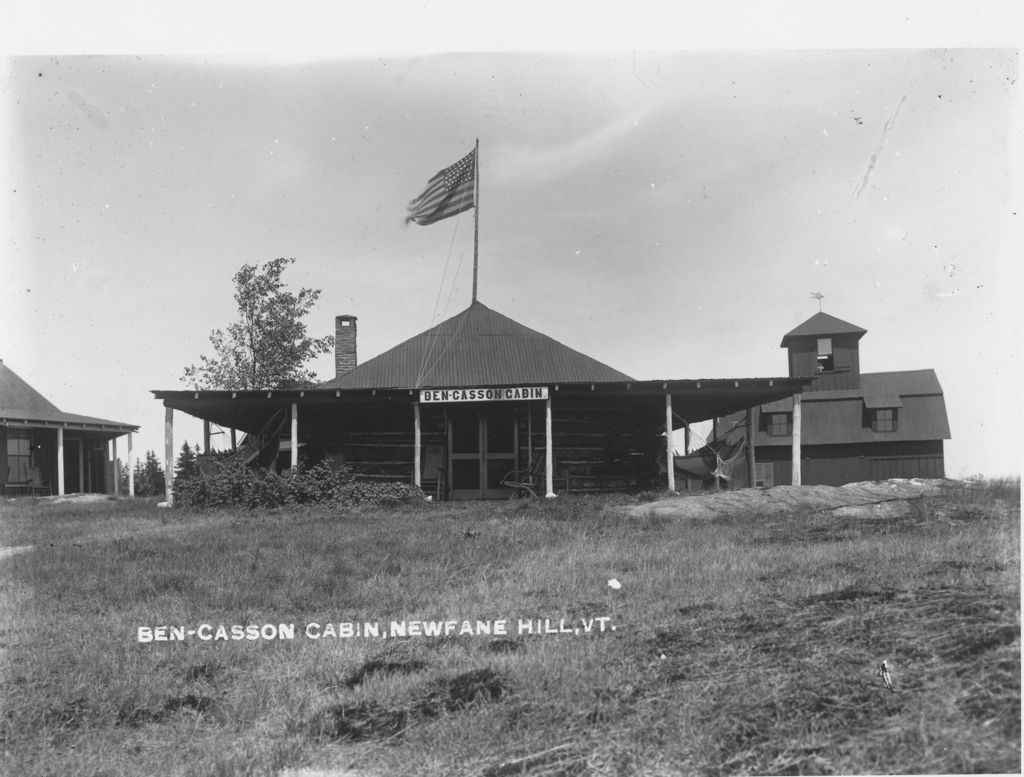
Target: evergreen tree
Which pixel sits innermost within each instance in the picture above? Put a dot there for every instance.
(149, 476)
(188, 462)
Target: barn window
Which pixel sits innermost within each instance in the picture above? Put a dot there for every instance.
(884, 419)
(825, 360)
(780, 424)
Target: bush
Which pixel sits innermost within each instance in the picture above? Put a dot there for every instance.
(320, 484)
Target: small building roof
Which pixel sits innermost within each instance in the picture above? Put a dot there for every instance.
(21, 404)
(478, 346)
(823, 325)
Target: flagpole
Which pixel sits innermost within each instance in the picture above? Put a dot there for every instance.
(476, 214)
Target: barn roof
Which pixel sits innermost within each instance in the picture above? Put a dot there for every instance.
(823, 325)
(481, 347)
(21, 404)
(836, 417)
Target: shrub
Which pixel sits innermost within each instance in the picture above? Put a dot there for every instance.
(320, 484)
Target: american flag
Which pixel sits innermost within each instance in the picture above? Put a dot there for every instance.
(449, 192)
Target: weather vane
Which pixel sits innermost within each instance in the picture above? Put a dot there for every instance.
(818, 295)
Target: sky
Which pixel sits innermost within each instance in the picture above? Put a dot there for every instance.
(667, 208)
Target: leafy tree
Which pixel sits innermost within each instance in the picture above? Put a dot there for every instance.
(267, 347)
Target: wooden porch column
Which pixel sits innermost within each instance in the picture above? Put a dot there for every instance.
(169, 456)
(117, 468)
(751, 477)
(549, 454)
(670, 463)
(417, 469)
(796, 440)
(295, 435)
(529, 437)
(60, 461)
(206, 437)
(131, 468)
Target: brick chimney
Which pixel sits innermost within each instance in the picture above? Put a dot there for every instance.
(344, 344)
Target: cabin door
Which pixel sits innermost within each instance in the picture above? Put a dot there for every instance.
(483, 446)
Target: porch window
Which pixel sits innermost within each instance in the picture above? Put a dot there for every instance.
(19, 455)
(825, 360)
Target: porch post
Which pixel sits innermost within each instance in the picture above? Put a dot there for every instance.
(117, 469)
(131, 468)
(751, 477)
(796, 440)
(549, 453)
(670, 463)
(169, 456)
(529, 437)
(60, 461)
(295, 435)
(417, 475)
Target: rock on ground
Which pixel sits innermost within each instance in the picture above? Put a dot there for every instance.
(780, 499)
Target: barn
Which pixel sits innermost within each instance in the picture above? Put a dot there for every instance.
(480, 402)
(855, 426)
(44, 450)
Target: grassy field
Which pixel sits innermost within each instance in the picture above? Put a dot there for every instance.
(744, 645)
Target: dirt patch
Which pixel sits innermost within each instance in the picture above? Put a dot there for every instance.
(459, 692)
(378, 666)
(135, 717)
(359, 721)
(70, 715)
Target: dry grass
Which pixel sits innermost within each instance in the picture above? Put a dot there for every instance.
(742, 645)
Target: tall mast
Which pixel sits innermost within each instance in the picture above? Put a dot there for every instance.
(476, 214)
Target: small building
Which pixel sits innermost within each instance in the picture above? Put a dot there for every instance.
(854, 426)
(44, 450)
(466, 402)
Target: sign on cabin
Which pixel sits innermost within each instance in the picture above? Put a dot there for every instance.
(483, 394)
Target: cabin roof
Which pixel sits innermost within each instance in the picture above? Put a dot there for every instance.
(478, 346)
(823, 325)
(20, 403)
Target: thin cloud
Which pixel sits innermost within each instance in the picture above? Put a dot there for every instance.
(514, 164)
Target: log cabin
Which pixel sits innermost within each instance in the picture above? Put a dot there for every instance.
(464, 405)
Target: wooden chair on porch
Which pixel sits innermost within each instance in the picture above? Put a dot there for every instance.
(529, 481)
(434, 472)
(24, 483)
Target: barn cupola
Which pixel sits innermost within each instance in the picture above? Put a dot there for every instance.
(826, 348)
